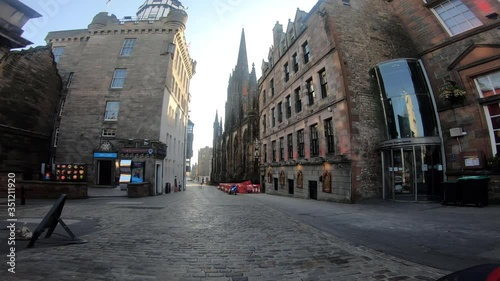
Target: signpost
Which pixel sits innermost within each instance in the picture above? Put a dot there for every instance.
(50, 221)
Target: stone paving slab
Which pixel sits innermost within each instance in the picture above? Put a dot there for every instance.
(203, 234)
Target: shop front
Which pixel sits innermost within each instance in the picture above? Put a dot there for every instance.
(412, 156)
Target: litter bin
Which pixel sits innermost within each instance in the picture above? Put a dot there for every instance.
(451, 193)
(474, 190)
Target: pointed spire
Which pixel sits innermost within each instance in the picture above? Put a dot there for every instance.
(242, 54)
(216, 116)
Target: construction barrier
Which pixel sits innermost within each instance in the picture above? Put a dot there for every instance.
(242, 188)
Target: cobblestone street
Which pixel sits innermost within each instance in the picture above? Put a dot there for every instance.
(200, 234)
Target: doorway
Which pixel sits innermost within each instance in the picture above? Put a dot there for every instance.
(276, 186)
(290, 187)
(263, 184)
(104, 175)
(412, 173)
(313, 190)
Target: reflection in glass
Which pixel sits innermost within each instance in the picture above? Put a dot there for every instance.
(407, 103)
(489, 84)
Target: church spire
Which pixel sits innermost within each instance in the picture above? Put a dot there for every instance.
(242, 54)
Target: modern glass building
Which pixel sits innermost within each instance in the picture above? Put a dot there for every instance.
(412, 159)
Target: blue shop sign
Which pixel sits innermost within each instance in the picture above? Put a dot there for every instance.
(112, 155)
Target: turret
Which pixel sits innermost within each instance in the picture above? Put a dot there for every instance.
(101, 20)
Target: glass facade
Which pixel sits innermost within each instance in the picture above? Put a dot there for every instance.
(412, 162)
(406, 99)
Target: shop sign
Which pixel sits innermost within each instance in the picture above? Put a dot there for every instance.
(135, 150)
(112, 155)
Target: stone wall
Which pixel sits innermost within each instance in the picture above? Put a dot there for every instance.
(136, 190)
(365, 33)
(47, 190)
(29, 96)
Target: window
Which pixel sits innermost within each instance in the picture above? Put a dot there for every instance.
(273, 147)
(61, 108)
(489, 85)
(265, 153)
(109, 133)
(329, 136)
(128, 47)
(300, 143)
(264, 123)
(295, 63)
(310, 91)
(264, 98)
(280, 112)
(305, 50)
(70, 79)
(118, 78)
(287, 72)
(112, 108)
(58, 52)
(56, 136)
(271, 84)
(324, 83)
(289, 142)
(314, 140)
(282, 149)
(273, 120)
(288, 106)
(298, 101)
(455, 16)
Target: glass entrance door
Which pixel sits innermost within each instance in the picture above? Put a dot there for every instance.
(412, 173)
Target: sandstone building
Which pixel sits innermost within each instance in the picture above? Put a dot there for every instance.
(127, 94)
(349, 98)
(204, 166)
(458, 43)
(234, 141)
(30, 87)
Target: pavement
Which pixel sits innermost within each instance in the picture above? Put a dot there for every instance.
(200, 234)
(97, 191)
(445, 237)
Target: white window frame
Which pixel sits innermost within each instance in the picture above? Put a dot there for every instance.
(56, 136)
(491, 131)
(118, 80)
(61, 108)
(108, 133)
(128, 47)
(455, 4)
(109, 110)
(58, 52)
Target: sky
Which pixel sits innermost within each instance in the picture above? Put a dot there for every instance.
(213, 33)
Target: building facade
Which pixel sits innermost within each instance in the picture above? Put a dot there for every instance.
(127, 95)
(189, 145)
(457, 42)
(30, 88)
(204, 167)
(235, 141)
(350, 101)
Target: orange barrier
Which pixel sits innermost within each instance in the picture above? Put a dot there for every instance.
(242, 188)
